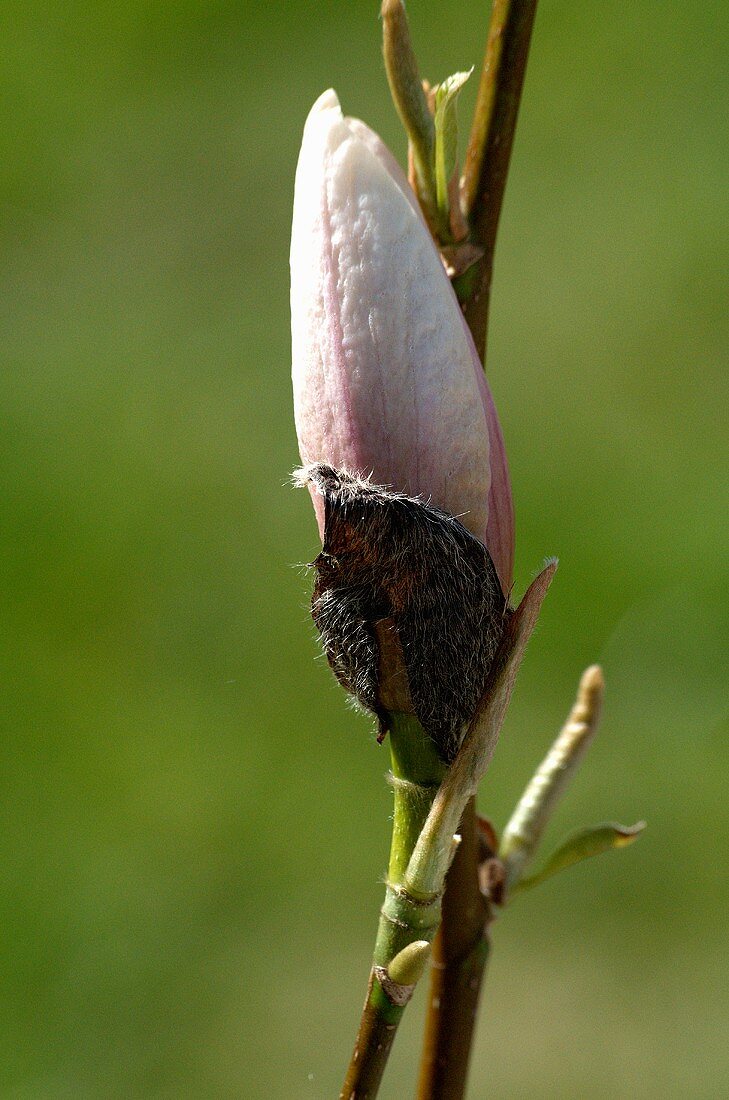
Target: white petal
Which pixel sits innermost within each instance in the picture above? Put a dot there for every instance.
(383, 368)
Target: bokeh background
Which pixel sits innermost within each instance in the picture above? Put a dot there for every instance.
(193, 823)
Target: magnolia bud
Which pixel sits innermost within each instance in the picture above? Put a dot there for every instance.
(387, 382)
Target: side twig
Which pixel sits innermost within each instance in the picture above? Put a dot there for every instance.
(489, 149)
(460, 952)
(461, 946)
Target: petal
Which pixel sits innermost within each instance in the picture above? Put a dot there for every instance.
(386, 383)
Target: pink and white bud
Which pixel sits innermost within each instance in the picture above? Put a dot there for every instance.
(387, 382)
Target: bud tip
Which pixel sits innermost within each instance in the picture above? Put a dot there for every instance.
(408, 965)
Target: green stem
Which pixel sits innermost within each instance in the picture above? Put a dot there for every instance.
(417, 771)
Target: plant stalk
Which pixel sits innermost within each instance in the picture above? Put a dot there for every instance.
(460, 952)
(489, 149)
(462, 944)
(407, 924)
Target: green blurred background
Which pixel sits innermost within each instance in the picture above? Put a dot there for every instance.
(194, 824)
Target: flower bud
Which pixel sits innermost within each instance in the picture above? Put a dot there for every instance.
(387, 382)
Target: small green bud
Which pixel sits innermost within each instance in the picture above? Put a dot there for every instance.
(408, 965)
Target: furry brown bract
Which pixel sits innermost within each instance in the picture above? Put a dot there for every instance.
(387, 556)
